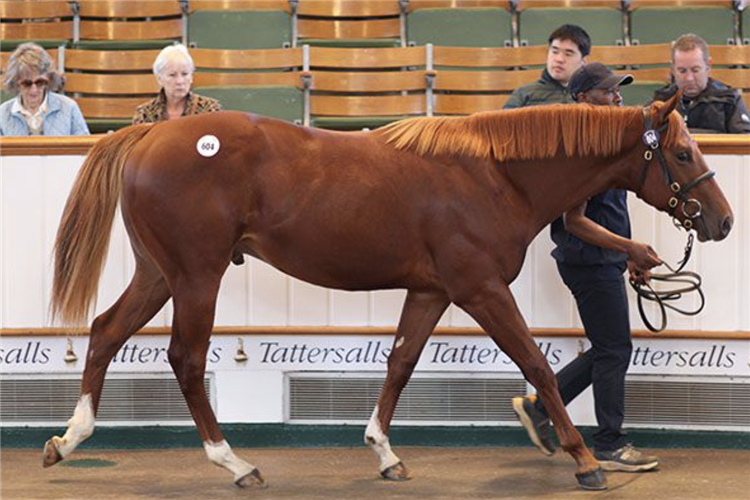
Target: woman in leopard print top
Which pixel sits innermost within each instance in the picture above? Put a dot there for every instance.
(174, 71)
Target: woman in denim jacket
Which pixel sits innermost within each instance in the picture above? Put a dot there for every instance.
(36, 110)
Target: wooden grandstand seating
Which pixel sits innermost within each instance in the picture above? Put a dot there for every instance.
(35, 20)
(664, 21)
(457, 4)
(738, 78)
(604, 21)
(108, 109)
(343, 22)
(506, 57)
(109, 84)
(631, 55)
(471, 24)
(650, 74)
(242, 67)
(241, 29)
(367, 58)
(379, 85)
(459, 92)
(567, 4)
(196, 5)
(635, 4)
(110, 60)
(263, 81)
(130, 20)
(730, 55)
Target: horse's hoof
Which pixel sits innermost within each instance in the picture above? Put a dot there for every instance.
(51, 454)
(396, 472)
(252, 479)
(592, 480)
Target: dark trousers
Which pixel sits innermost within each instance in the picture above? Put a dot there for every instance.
(602, 302)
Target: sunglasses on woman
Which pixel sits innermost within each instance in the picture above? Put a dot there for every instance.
(39, 82)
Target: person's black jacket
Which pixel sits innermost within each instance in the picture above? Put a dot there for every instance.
(718, 109)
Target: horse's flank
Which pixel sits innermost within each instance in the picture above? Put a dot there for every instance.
(523, 134)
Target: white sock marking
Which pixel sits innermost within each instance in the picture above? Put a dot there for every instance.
(80, 426)
(379, 442)
(223, 456)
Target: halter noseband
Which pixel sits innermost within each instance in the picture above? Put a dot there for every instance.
(651, 139)
(688, 281)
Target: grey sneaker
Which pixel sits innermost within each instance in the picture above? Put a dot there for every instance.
(626, 459)
(535, 422)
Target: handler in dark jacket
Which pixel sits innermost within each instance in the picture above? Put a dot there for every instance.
(708, 105)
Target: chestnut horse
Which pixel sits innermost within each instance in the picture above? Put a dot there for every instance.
(443, 207)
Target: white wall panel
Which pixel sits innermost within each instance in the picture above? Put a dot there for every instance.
(34, 190)
(742, 222)
(269, 290)
(23, 242)
(249, 396)
(386, 307)
(350, 308)
(59, 172)
(551, 300)
(233, 306)
(720, 263)
(309, 304)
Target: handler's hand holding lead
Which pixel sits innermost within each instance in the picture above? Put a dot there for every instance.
(643, 256)
(638, 275)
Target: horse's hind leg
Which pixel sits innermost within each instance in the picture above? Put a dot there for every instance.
(422, 311)
(143, 298)
(194, 306)
(494, 308)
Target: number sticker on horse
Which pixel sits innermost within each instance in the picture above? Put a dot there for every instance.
(208, 145)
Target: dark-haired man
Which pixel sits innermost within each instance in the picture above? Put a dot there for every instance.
(593, 249)
(708, 106)
(569, 45)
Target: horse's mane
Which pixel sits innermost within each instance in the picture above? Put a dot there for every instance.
(526, 133)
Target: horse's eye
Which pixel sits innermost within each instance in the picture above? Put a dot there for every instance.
(683, 156)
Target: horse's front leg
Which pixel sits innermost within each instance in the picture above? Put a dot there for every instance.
(492, 305)
(194, 305)
(422, 311)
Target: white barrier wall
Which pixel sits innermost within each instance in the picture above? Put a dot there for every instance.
(34, 190)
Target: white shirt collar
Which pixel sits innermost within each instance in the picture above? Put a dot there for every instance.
(18, 107)
(35, 121)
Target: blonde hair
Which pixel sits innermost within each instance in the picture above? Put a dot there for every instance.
(172, 53)
(30, 57)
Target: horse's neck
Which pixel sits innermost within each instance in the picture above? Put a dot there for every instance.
(554, 186)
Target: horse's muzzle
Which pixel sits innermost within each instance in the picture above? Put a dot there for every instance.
(726, 227)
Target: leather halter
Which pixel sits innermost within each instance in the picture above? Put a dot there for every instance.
(651, 138)
(687, 281)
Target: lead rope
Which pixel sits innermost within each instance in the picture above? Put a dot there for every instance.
(688, 281)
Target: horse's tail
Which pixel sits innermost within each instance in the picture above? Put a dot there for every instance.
(83, 236)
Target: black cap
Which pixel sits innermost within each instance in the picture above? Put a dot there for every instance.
(595, 76)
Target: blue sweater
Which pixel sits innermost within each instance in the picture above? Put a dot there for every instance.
(63, 118)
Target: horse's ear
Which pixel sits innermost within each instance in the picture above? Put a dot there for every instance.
(664, 110)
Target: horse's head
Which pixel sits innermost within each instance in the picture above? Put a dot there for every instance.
(675, 177)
